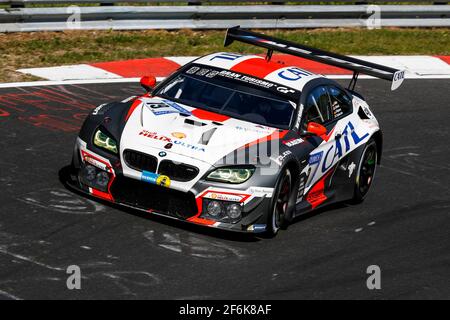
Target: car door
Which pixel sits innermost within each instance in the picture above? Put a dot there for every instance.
(330, 106)
(318, 109)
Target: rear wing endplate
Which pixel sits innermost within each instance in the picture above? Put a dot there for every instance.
(345, 62)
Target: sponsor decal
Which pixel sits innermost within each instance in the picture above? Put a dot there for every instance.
(192, 70)
(397, 79)
(149, 177)
(225, 196)
(154, 178)
(208, 73)
(170, 141)
(178, 135)
(338, 148)
(261, 191)
(162, 154)
(203, 72)
(399, 75)
(257, 228)
(163, 181)
(324, 160)
(246, 79)
(177, 107)
(313, 162)
(189, 146)
(293, 142)
(315, 158)
(154, 135)
(279, 160)
(285, 90)
(299, 117)
(213, 72)
(294, 74)
(95, 163)
(257, 129)
(337, 110)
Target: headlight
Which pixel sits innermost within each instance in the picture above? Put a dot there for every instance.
(102, 140)
(231, 175)
(214, 209)
(234, 211)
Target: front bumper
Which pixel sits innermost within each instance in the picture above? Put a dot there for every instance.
(158, 200)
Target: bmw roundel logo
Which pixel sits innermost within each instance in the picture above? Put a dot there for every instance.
(163, 154)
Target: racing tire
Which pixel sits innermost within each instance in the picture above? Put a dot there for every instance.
(283, 204)
(365, 173)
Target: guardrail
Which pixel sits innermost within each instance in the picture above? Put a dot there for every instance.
(219, 17)
(112, 2)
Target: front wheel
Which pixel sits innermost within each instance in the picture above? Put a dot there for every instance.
(366, 171)
(282, 204)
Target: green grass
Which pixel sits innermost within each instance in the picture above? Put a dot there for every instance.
(22, 50)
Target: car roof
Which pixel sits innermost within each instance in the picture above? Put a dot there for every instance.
(257, 66)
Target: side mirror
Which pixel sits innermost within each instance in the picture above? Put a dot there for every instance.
(316, 129)
(148, 82)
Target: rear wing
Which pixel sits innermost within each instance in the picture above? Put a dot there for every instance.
(345, 62)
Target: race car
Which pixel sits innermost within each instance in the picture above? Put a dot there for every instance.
(235, 142)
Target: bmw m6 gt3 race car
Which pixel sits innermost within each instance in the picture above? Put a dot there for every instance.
(236, 142)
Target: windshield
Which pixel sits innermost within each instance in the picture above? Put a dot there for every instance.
(242, 97)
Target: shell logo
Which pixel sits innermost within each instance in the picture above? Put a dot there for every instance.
(163, 181)
(178, 135)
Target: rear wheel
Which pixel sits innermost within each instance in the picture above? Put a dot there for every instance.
(282, 204)
(366, 171)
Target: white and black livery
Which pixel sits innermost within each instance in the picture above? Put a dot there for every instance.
(236, 142)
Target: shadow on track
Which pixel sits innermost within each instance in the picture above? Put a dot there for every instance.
(212, 232)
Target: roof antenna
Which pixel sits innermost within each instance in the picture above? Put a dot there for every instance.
(269, 54)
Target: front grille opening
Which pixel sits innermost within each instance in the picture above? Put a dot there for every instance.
(140, 161)
(177, 171)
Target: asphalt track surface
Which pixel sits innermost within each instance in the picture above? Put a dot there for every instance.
(403, 226)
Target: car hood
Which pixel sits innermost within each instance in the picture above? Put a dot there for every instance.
(157, 124)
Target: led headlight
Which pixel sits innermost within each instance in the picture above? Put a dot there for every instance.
(102, 140)
(231, 175)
